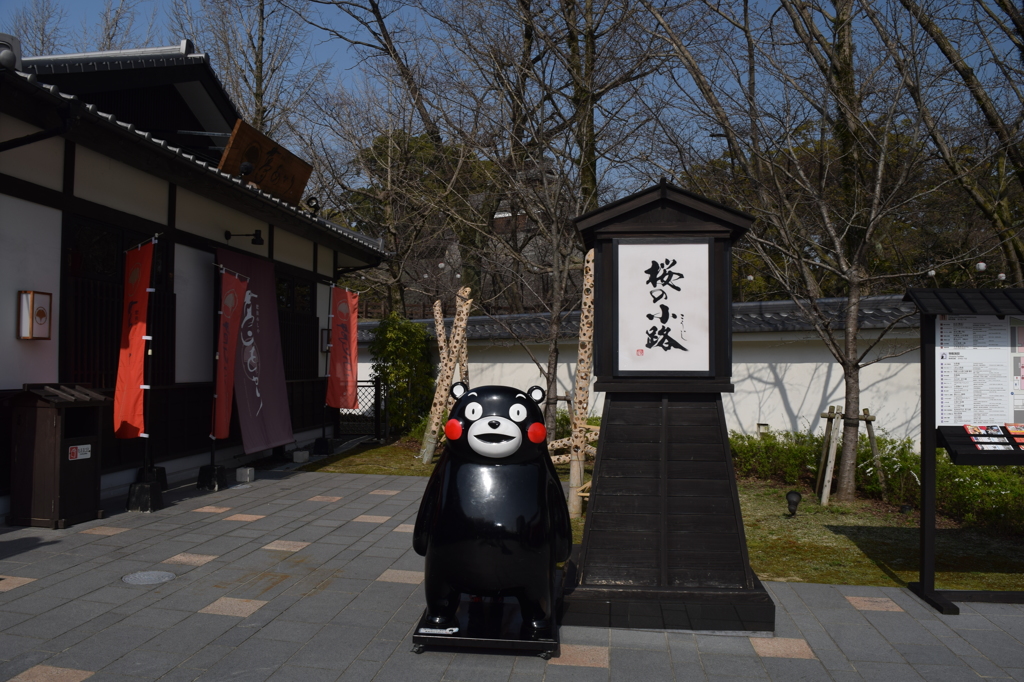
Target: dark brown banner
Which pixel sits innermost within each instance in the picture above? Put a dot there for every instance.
(129, 394)
(232, 296)
(260, 392)
(344, 351)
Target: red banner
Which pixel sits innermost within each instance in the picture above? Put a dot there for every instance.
(232, 294)
(344, 352)
(129, 417)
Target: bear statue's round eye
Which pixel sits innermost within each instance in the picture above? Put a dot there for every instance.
(474, 411)
(517, 412)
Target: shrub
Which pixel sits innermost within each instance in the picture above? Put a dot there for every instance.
(985, 496)
(401, 358)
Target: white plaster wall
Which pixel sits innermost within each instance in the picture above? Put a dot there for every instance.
(292, 249)
(325, 261)
(783, 380)
(29, 260)
(40, 162)
(323, 309)
(194, 305)
(787, 381)
(206, 218)
(103, 180)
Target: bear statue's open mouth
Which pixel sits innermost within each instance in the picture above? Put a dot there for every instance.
(493, 437)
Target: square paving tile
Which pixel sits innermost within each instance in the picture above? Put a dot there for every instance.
(367, 518)
(582, 655)
(9, 582)
(103, 530)
(286, 545)
(781, 647)
(873, 604)
(384, 492)
(324, 498)
(393, 575)
(190, 559)
(48, 673)
(244, 517)
(212, 510)
(405, 528)
(229, 606)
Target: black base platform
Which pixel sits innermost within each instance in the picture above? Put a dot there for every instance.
(483, 623)
(212, 477)
(705, 609)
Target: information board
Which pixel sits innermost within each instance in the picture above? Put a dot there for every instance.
(978, 369)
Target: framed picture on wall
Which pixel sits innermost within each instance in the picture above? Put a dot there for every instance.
(663, 307)
(35, 308)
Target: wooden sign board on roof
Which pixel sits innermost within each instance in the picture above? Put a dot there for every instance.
(275, 169)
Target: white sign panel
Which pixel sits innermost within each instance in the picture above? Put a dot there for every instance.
(76, 452)
(664, 307)
(978, 370)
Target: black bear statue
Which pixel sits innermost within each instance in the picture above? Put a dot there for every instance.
(493, 521)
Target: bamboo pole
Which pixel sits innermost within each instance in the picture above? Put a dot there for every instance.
(445, 373)
(581, 391)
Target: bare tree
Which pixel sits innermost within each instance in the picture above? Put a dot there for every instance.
(262, 52)
(797, 114)
(40, 25)
(118, 27)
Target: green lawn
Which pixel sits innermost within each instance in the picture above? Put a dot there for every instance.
(864, 543)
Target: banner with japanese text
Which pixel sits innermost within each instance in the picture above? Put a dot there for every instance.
(129, 391)
(344, 352)
(232, 295)
(260, 392)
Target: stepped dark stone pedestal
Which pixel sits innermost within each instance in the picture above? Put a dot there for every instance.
(664, 546)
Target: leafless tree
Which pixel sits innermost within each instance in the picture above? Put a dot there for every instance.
(796, 113)
(40, 25)
(118, 27)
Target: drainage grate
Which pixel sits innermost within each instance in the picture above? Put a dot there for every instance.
(148, 577)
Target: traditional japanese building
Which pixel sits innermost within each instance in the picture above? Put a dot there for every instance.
(101, 151)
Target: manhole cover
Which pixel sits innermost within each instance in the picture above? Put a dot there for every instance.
(148, 577)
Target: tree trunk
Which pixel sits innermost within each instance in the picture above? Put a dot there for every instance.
(846, 490)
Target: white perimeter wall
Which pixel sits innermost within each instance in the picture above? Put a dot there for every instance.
(783, 380)
(29, 260)
(194, 305)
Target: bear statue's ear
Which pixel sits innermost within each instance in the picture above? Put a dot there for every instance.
(458, 389)
(536, 394)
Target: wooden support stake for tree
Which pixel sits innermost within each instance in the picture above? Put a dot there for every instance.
(869, 419)
(826, 484)
(445, 373)
(581, 392)
(442, 342)
(827, 416)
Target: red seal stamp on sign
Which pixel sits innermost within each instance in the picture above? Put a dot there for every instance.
(640, 352)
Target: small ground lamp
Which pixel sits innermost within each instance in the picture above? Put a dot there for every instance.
(793, 498)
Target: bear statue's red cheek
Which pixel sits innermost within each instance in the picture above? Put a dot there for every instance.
(453, 429)
(537, 433)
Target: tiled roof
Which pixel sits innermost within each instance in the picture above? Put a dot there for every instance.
(967, 301)
(877, 312)
(90, 110)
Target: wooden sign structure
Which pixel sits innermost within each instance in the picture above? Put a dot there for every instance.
(274, 169)
(663, 545)
(972, 351)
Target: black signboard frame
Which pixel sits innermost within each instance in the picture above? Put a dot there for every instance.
(931, 303)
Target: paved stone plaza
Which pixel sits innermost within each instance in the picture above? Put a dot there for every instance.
(311, 577)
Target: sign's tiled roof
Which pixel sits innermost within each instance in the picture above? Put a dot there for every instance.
(876, 312)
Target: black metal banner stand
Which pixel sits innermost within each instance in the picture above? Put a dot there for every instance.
(663, 545)
(322, 446)
(930, 303)
(213, 476)
(146, 494)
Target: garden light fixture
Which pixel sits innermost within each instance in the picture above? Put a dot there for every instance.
(793, 498)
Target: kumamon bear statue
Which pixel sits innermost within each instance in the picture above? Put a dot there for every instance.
(493, 520)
